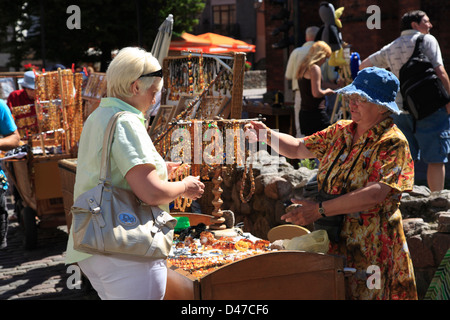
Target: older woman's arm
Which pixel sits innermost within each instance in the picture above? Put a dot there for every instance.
(147, 186)
(282, 143)
(358, 200)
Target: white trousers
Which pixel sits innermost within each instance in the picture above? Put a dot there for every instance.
(120, 279)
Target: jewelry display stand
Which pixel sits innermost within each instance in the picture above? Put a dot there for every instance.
(53, 136)
(94, 91)
(215, 83)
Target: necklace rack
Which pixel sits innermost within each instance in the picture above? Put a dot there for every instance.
(178, 175)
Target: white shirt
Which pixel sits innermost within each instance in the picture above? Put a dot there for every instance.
(294, 61)
(395, 54)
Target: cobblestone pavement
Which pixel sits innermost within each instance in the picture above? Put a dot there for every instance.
(39, 273)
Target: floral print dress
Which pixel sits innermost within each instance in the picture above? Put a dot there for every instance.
(375, 237)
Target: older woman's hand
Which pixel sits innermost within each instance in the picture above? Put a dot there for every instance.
(303, 212)
(194, 187)
(256, 131)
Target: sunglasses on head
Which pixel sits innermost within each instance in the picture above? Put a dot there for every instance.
(158, 73)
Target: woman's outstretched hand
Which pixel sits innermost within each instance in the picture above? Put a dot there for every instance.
(256, 131)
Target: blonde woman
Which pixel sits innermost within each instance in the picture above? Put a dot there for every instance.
(133, 78)
(313, 116)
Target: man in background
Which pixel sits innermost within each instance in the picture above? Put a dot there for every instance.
(429, 138)
(22, 97)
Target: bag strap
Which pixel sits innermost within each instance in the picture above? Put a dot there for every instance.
(417, 49)
(345, 183)
(105, 164)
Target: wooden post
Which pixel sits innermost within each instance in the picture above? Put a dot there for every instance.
(64, 110)
(40, 86)
(238, 85)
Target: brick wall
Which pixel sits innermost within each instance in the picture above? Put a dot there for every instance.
(365, 41)
(355, 31)
(275, 58)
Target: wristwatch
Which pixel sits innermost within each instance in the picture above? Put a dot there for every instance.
(321, 210)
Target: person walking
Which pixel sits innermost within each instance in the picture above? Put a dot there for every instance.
(429, 138)
(294, 61)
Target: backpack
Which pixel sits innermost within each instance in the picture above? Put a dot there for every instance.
(422, 90)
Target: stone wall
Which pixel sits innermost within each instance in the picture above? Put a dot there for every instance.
(427, 228)
(426, 216)
(255, 79)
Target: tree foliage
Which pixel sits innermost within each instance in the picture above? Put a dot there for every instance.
(105, 25)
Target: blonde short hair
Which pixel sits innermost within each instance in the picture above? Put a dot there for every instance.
(127, 67)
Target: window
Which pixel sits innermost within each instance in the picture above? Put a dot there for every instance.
(224, 19)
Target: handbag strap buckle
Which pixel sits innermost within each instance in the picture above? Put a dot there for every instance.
(159, 223)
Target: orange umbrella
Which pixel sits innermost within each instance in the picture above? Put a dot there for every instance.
(227, 42)
(209, 44)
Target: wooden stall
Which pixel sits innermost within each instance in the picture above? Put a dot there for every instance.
(93, 92)
(194, 74)
(278, 275)
(272, 275)
(50, 130)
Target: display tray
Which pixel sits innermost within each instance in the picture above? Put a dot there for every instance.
(275, 275)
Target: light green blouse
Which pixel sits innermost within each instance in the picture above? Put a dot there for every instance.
(131, 146)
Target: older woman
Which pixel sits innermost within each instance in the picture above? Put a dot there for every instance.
(365, 165)
(313, 115)
(133, 78)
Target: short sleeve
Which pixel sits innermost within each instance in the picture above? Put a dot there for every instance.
(132, 146)
(320, 142)
(379, 58)
(393, 165)
(432, 50)
(6, 119)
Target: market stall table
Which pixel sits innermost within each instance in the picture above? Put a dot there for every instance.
(269, 275)
(37, 181)
(276, 275)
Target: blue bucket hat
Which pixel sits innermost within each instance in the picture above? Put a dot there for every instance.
(28, 80)
(377, 85)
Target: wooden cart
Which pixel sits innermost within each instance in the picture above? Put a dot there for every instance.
(278, 275)
(51, 128)
(38, 198)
